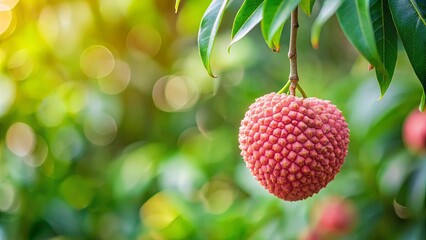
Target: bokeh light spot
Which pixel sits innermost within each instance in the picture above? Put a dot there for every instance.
(217, 196)
(100, 129)
(7, 5)
(20, 139)
(39, 154)
(63, 26)
(144, 39)
(8, 195)
(114, 10)
(137, 168)
(175, 93)
(67, 143)
(48, 25)
(97, 61)
(74, 95)
(5, 21)
(118, 80)
(159, 211)
(20, 64)
(7, 94)
(181, 175)
(51, 111)
(134, 169)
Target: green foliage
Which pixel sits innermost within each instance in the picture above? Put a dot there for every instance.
(246, 19)
(177, 5)
(328, 9)
(410, 20)
(355, 20)
(275, 14)
(306, 6)
(110, 128)
(208, 30)
(368, 25)
(386, 41)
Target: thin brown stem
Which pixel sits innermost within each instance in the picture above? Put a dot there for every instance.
(292, 52)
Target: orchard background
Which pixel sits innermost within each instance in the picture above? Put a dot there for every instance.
(110, 127)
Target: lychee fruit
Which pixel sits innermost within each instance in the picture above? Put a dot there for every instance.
(414, 131)
(293, 146)
(335, 216)
(310, 234)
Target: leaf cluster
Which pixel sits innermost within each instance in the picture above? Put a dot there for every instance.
(371, 26)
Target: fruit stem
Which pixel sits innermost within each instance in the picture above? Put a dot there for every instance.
(292, 53)
(301, 90)
(285, 88)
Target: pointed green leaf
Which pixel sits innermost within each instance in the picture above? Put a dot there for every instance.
(275, 14)
(177, 5)
(269, 9)
(306, 6)
(328, 8)
(208, 30)
(422, 102)
(246, 19)
(410, 20)
(386, 40)
(354, 18)
(275, 44)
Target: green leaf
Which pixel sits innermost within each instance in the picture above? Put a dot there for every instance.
(354, 18)
(249, 15)
(208, 30)
(275, 14)
(275, 44)
(177, 5)
(386, 40)
(328, 8)
(410, 20)
(306, 6)
(422, 102)
(417, 194)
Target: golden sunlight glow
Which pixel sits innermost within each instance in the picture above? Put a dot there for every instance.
(7, 5)
(5, 20)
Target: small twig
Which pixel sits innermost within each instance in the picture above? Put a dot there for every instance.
(292, 52)
(301, 91)
(285, 88)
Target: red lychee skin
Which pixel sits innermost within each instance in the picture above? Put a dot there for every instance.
(293, 146)
(414, 131)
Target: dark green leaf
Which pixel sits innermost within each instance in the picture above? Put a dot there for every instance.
(246, 19)
(275, 14)
(410, 20)
(417, 194)
(354, 18)
(208, 29)
(386, 41)
(177, 5)
(328, 8)
(306, 6)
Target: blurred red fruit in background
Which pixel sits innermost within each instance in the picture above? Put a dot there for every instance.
(414, 131)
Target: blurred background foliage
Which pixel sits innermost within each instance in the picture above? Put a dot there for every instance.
(110, 128)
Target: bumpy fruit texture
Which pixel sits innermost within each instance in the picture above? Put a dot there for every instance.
(293, 146)
(414, 131)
